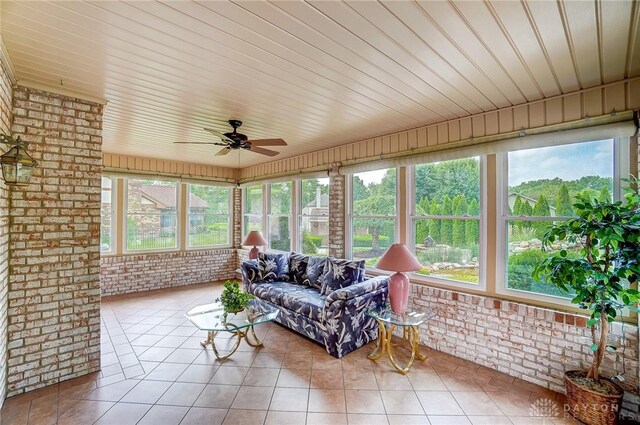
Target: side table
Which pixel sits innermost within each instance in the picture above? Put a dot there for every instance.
(388, 321)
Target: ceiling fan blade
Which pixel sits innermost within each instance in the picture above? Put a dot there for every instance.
(203, 143)
(216, 133)
(268, 142)
(262, 151)
(223, 151)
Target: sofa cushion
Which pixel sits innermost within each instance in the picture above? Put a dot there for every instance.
(315, 271)
(250, 271)
(273, 266)
(298, 267)
(340, 274)
(305, 301)
(273, 291)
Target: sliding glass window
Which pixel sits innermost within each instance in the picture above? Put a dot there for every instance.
(253, 209)
(447, 220)
(314, 216)
(373, 213)
(151, 215)
(280, 216)
(209, 216)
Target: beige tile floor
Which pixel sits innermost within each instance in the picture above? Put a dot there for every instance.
(154, 371)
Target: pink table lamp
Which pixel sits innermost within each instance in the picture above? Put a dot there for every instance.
(254, 238)
(398, 259)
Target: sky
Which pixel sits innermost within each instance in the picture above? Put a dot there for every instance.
(568, 162)
(369, 177)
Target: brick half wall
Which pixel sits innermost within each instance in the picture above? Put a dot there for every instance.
(532, 343)
(144, 272)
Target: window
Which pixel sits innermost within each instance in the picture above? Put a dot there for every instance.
(373, 214)
(541, 185)
(252, 217)
(107, 241)
(446, 219)
(314, 216)
(280, 216)
(151, 215)
(209, 217)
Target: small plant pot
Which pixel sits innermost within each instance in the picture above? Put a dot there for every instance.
(590, 406)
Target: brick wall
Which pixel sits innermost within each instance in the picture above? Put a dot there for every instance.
(54, 285)
(144, 272)
(336, 213)
(532, 343)
(6, 95)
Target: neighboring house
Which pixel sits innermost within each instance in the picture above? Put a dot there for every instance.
(315, 225)
(156, 205)
(531, 201)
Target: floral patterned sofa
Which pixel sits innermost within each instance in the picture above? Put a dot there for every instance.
(322, 298)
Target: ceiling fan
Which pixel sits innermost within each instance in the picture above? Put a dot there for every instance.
(233, 140)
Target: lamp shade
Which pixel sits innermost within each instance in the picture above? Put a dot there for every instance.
(254, 238)
(398, 258)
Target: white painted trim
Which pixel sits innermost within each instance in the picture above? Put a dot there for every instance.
(5, 58)
(62, 91)
(621, 145)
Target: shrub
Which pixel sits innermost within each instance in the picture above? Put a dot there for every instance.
(365, 240)
(310, 243)
(520, 267)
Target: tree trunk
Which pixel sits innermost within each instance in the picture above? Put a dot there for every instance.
(602, 345)
(375, 238)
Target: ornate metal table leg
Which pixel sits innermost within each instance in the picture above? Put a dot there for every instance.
(381, 346)
(257, 343)
(403, 369)
(238, 335)
(209, 340)
(416, 343)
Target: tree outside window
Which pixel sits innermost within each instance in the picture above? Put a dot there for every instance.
(446, 219)
(374, 215)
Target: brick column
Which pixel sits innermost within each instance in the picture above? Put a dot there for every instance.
(237, 217)
(336, 212)
(54, 286)
(6, 98)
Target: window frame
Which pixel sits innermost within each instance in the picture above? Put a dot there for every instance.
(350, 215)
(300, 216)
(411, 218)
(621, 169)
(229, 216)
(270, 214)
(262, 216)
(125, 214)
(113, 216)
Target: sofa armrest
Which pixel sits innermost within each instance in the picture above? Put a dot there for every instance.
(250, 274)
(375, 284)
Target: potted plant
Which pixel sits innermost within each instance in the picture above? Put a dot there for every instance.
(233, 299)
(600, 276)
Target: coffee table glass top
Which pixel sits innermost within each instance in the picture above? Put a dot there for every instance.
(211, 317)
(410, 318)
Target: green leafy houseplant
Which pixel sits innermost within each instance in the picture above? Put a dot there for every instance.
(233, 299)
(601, 277)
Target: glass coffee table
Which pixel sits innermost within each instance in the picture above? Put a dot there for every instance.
(213, 319)
(388, 321)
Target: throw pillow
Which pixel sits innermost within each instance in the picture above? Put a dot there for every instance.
(273, 266)
(340, 274)
(315, 271)
(362, 273)
(298, 267)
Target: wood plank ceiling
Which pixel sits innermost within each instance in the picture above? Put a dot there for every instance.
(315, 73)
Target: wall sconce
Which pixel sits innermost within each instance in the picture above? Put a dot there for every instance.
(16, 163)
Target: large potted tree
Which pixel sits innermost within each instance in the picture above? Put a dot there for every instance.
(601, 275)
